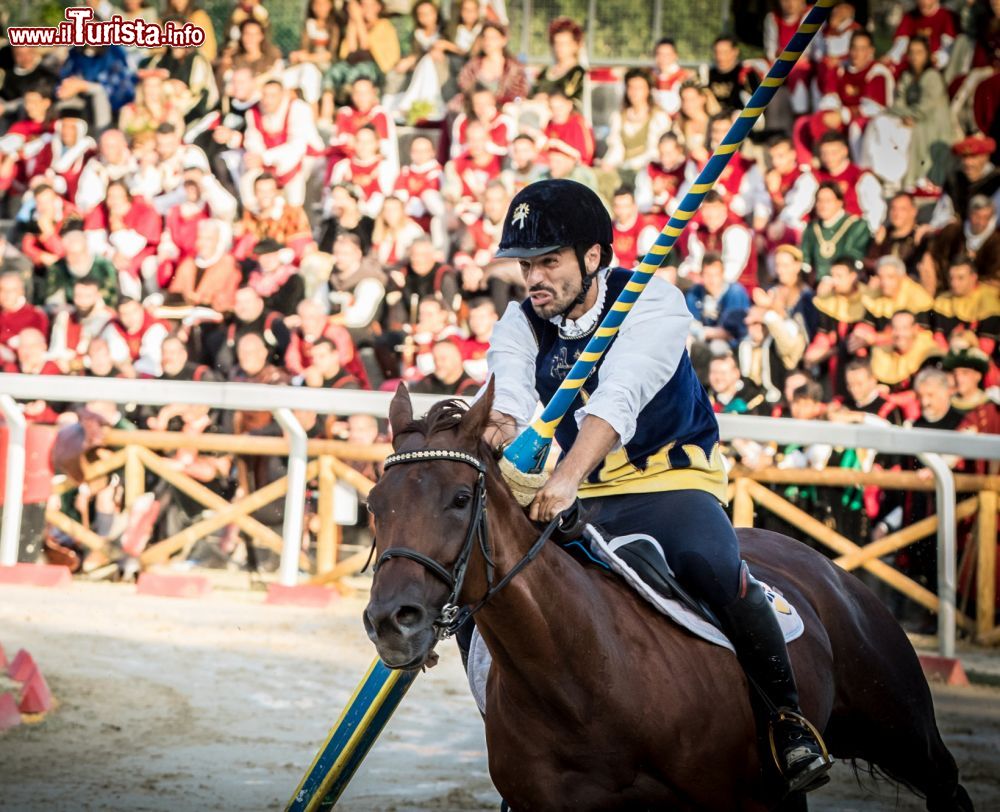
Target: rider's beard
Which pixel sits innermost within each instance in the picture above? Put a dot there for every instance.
(562, 296)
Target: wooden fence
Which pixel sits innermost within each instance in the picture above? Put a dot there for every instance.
(748, 490)
(136, 452)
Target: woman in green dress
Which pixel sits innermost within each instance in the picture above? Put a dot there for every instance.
(565, 73)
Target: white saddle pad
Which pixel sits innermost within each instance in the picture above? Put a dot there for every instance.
(788, 618)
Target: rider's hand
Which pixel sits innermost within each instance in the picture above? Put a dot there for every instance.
(555, 496)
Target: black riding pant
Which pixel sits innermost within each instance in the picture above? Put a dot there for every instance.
(691, 527)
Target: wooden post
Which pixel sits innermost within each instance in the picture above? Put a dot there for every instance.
(226, 512)
(75, 530)
(902, 538)
(986, 563)
(326, 538)
(742, 504)
(135, 475)
(838, 543)
(62, 484)
(349, 566)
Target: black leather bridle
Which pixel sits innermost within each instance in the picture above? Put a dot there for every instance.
(452, 615)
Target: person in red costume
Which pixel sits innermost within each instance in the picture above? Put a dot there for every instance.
(418, 185)
(861, 189)
(368, 170)
(661, 185)
(832, 43)
(716, 230)
(71, 149)
(467, 175)
(476, 242)
(280, 137)
(981, 414)
(135, 339)
(309, 325)
(569, 127)
(482, 317)
(633, 232)
(792, 188)
(364, 111)
(42, 242)
(930, 20)
(861, 87)
(177, 242)
(668, 76)
(126, 230)
(482, 107)
(741, 183)
(779, 27)
(32, 360)
(17, 314)
(26, 148)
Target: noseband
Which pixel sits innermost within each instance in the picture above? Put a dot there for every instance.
(452, 615)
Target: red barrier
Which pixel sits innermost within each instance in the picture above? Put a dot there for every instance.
(22, 667)
(173, 586)
(10, 716)
(312, 596)
(948, 670)
(37, 467)
(36, 575)
(36, 697)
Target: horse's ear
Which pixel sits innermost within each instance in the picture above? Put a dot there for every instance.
(475, 420)
(400, 413)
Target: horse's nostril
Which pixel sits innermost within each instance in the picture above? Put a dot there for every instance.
(409, 616)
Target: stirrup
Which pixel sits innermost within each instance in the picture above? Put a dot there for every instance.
(811, 776)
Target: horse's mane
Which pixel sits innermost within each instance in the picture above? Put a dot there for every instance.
(445, 415)
(442, 416)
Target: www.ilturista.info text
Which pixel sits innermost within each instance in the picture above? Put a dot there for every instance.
(80, 28)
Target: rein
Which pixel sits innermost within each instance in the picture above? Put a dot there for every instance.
(452, 615)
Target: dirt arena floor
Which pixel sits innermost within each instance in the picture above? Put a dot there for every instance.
(221, 703)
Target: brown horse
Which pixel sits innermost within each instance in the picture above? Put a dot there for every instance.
(594, 700)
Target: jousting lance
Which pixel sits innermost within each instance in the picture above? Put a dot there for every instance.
(382, 689)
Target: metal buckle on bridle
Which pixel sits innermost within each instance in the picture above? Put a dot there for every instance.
(446, 620)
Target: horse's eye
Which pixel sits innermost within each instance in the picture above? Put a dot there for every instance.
(461, 499)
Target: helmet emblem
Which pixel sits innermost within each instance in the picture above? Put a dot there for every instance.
(520, 214)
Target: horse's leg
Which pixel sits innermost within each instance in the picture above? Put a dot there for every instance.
(884, 712)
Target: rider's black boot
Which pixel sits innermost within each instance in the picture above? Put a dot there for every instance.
(797, 748)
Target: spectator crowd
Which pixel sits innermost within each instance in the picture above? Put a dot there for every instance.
(327, 216)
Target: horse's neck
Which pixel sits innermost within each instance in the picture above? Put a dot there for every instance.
(541, 611)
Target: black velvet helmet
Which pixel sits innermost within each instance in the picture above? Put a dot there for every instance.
(551, 214)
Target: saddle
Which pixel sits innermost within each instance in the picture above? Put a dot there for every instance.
(639, 560)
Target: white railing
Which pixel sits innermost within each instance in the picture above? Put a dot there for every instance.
(926, 444)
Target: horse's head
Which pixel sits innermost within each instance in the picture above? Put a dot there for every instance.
(428, 510)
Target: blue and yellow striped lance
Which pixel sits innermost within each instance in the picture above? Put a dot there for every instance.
(531, 448)
(382, 690)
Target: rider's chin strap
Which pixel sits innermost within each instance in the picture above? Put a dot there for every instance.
(587, 280)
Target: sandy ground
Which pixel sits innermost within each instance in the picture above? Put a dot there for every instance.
(221, 703)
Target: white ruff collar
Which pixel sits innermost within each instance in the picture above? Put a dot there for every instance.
(569, 328)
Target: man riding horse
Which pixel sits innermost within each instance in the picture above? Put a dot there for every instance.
(643, 447)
